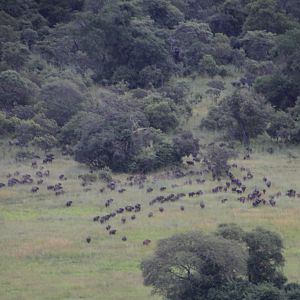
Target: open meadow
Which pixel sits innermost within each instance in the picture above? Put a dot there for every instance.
(43, 248)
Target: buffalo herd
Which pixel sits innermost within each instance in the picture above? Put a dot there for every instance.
(230, 184)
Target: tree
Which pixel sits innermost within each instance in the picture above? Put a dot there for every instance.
(244, 115)
(14, 55)
(286, 50)
(231, 232)
(266, 15)
(265, 257)
(121, 45)
(243, 290)
(62, 99)
(187, 266)
(185, 144)
(14, 90)
(265, 248)
(279, 121)
(59, 10)
(258, 44)
(208, 65)
(164, 13)
(217, 158)
(162, 115)
(225, 23)
(278, 89)
(189, 42)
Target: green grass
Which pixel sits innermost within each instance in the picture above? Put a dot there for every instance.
(43, 253)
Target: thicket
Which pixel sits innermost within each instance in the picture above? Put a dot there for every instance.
(97, 76)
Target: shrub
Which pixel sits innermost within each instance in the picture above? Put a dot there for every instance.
(14, 90)
(105, 174)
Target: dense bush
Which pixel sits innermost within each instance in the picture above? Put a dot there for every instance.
(243, 116)
(14, 90)
(102, 77)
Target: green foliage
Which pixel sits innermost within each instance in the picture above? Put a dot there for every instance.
(265, 257)
(186, 266)
(14, 90)
(190, 41)
(6, 125)
(14, 55)
(243, 290)
(292, 291)
(216, 158)
(278, 89)
(244, 115)
(266, 15)
(26, 130)
(231, 232)
(45, 142)
(105, 174)
(59, 10)
(185, 144)
(286, 49)
(208, 65)
(62, 99)
(266, 292)
(121, 46)
(162, 115)
(225, 23)
(258, 44)
(279, 122)
(163, 13)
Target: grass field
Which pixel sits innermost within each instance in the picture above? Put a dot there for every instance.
(44, 255)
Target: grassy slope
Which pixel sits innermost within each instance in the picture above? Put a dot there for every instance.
(43, 253)
(42, 244)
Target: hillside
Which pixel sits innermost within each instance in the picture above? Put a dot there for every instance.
(124, 122)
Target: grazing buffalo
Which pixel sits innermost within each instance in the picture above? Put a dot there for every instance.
(202, 205)
(62, 177)
(12, 181)
(120, 210)
(149, 190)
(124, 238)
(34, 164)
(39, 174)
(150, 214)
(88, 239)
(69, 203)
(2, 185)
(112, 231)
(182, 207)
(133, 217)
(161, 209)
(34, 189)
(291, 193)
(146, 242)
(96, 219)
(46, 173)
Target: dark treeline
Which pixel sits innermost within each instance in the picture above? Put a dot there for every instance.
(94, 77)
